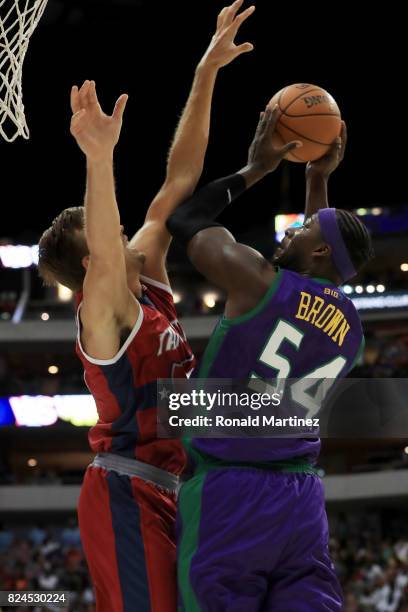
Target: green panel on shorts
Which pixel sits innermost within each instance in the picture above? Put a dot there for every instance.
(190, 513)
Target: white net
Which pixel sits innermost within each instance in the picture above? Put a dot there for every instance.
(18, 20)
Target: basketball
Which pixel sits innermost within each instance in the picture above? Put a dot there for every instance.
(309, 114)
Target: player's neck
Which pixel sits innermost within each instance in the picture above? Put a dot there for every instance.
(323, 275)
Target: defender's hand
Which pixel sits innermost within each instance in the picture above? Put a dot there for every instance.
(95, 132)
(222, 49)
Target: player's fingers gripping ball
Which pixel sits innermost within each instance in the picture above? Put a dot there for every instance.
(307, 113)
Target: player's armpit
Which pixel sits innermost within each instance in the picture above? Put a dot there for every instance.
(108, 308)
(236, 268)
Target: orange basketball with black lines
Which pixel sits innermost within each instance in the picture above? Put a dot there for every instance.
(309, 114)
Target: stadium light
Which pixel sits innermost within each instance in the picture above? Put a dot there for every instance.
(404, 267)
(32, 462)
(64, 294)
(359, 289)
(370, 288)
(380, 288)
(18, 256)
(45, 410)
(381, 302)
(177, 297)
(348, 289)
(45, 316)
(210, 299)
(53, 369)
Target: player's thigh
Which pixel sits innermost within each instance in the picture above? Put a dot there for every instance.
(304, 580)
(127, 528)
(157, 522)
(310, 587)
(220, 553)
(98, 540)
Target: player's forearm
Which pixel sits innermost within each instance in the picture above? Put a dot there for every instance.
(316, 193)
(187, 152)
(101, 210)
(200, 211)
(252, 174)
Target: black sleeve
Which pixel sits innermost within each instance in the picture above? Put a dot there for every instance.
(202, 208)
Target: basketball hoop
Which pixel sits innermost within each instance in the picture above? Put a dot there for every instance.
(18, 20)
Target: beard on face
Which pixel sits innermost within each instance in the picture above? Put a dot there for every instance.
(286, 258)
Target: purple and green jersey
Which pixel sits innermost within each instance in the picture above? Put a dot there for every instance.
(303, 328)
(252, 527)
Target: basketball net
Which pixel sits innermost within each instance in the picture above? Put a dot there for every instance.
(18, 20)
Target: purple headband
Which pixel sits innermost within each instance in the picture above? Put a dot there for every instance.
(332, 235)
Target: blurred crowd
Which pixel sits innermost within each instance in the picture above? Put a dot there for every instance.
(45, 559)
(384, 357)
(372, 568)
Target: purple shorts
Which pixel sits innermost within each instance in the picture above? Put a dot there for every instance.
(254, 540)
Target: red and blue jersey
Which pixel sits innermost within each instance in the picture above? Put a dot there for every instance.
(125, 389)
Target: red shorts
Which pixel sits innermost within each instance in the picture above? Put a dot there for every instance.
(128, 533)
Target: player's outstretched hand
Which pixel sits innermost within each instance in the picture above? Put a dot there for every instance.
(95, 132)
(329, 162)
(263, 153)
(222, 49)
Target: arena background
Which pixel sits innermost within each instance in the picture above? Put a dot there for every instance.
(149, 49)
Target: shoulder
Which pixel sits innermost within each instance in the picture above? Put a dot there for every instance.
(160, 295)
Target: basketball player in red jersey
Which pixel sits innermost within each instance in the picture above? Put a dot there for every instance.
(128, 336)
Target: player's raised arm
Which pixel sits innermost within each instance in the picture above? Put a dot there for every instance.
(234, 267)
(318, 172)
(107, 302)
(187, 152)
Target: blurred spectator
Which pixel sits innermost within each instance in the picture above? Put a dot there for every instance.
(52, 559)
(70, 535)
(37, 535)
(372, 569)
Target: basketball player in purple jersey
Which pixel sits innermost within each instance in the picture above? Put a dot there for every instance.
(253, 531)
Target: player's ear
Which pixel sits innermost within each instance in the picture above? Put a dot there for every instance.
(323, 250)
(85, 261)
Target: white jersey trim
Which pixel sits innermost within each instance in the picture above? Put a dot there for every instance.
(122, 349)
(156, 283)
